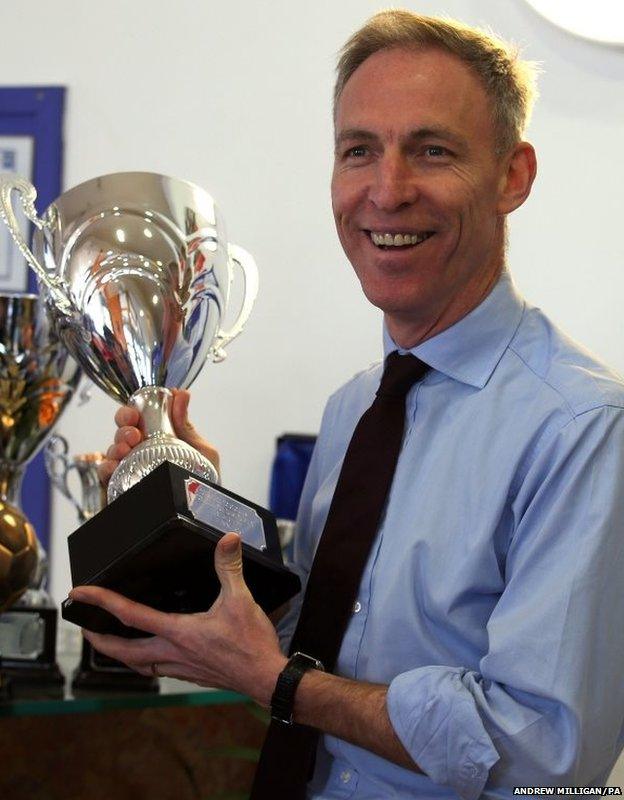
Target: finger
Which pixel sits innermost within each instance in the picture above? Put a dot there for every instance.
(167, 669)
(179, 416)
(105, 470)
(185, 429)
(118, 451)
(181, 422)
(127, 415)
(151, 657)
(138, 654)
(130, 613)
(128, 435)
(229, 564)
(182, 672)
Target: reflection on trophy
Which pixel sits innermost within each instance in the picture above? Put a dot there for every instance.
(95, 671)
(136, 270)
(37, 380)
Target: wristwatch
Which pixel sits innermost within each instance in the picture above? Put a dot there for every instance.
(283, 699)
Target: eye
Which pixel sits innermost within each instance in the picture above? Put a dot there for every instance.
(357, 151)
(436, 151)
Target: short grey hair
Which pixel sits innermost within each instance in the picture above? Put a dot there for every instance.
(510, 82)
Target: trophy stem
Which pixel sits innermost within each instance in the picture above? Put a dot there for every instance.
(160, 444)
(11, 477)
(154, 404)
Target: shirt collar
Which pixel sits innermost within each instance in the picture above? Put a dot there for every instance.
(470, 349)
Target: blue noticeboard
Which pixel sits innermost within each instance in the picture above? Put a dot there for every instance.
(35, 113)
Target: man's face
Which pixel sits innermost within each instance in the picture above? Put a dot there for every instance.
(416, 188)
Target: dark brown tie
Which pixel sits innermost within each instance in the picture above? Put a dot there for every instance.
(359, 499)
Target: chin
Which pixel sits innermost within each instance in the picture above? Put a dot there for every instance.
(403, 301)
(401, 312)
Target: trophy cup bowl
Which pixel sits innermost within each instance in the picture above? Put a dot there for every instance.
(136, 270)
(37, 381)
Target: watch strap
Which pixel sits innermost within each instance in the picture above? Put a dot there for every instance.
(283, 699)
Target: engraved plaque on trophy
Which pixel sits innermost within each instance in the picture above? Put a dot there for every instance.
(136, 270)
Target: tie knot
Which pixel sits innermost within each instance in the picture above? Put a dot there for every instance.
(400, 374)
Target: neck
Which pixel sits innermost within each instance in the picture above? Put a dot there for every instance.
(408, 332)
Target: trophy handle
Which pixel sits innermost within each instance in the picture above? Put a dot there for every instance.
(245, 261)
(84, 395)
(57, 467)
(27, 194)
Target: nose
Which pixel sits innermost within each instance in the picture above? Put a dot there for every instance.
(395, 185)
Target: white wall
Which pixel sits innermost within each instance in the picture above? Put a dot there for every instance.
(236, 97)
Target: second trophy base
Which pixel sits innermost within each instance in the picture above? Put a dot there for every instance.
(28, 650)
(97, 672)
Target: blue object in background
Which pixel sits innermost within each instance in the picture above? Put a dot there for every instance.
(37, 112)
(292, 458)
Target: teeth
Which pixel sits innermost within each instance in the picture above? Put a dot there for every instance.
(398, 239)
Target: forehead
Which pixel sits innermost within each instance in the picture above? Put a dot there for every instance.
(399, 90)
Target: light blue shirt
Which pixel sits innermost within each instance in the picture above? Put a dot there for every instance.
(492, 603)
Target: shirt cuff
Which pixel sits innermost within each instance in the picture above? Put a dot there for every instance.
(436, 719)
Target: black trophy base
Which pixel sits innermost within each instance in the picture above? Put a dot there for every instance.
(96, 672)
(28, 649)
(151, 547)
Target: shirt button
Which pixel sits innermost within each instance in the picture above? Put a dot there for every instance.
(357, 607)
(345, 776)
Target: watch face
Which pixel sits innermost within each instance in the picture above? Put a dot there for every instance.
(598, 20)
(306, 661)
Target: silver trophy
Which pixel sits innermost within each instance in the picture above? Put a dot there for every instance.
(37, 381)
(61, 467)
(137, 270)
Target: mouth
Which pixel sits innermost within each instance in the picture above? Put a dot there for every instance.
(398, 241)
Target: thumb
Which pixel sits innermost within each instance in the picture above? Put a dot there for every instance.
(229, 564)
(182, 425)
(185, 429)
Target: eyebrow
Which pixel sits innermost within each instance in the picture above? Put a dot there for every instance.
(355, 133)
(414, 136)
(437, 132)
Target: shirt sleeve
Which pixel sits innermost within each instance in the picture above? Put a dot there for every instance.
(546, 707)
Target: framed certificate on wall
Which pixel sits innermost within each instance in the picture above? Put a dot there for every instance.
(16, 155)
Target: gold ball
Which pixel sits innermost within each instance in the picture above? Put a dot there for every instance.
(18, 554)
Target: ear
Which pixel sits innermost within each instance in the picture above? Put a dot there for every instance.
(517, 179)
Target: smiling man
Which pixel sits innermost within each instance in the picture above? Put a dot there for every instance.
(460, 531)
(417, 156)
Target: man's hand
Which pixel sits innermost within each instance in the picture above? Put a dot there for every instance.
(234, 646)
(231, 646)
(128, 434)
